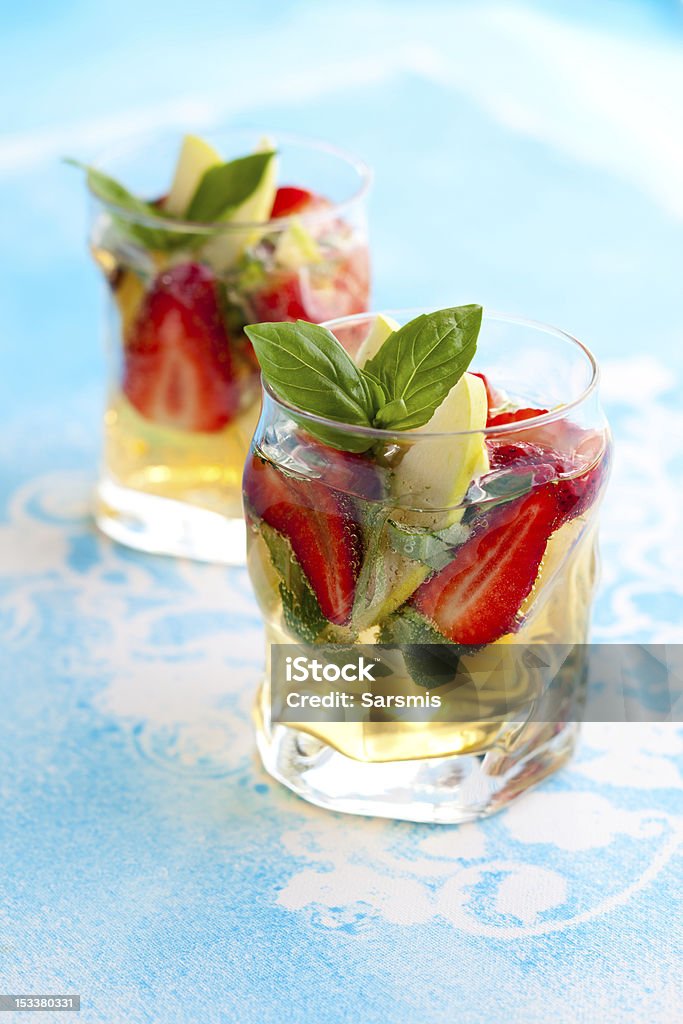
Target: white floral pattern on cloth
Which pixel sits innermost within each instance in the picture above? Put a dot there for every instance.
(523, 874)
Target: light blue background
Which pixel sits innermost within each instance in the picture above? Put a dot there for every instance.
(528, 155)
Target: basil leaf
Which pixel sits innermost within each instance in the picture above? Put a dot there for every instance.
(307, 367)
(376, 393)
(431, 659)
(372, 586)
(112, 192)
(419, 364)
(224, 187)
(434, 548)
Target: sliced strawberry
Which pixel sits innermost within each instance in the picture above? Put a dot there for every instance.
(513, 416)
(313, 294)
(290, 200)
(476, 598)
(178, 367)
(580, 474)
(507, 454)
(280, 300)
(576, 494)
(320, 524)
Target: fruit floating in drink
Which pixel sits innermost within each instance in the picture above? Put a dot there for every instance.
(189, 261)
(397, 495)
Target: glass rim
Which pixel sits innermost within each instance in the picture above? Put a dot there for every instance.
(559, 412)
(362, 170)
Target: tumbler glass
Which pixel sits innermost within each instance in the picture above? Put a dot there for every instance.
(485, 599)
(172, 462)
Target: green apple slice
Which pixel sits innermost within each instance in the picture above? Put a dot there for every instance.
(381, 328)
(223, 251)
(436, 473)
(194, 160)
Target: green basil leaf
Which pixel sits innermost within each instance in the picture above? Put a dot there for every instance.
(226, 186)
(307, 367)
(431, 660)
(434, 548)
(419, 364)
(376, 393)
(112, 192)
(372, 586)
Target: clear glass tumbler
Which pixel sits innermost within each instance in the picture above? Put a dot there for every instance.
(170, 481)
(343, 555)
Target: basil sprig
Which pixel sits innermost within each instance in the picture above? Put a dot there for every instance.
(398, 389)
(221, 190)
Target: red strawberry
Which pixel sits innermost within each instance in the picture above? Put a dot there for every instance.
(575, 491)
(307, 294)
(512, 454)
(476, 598)
(290, 200)
(280, 300)
(178, 368)
(321, 527)
(513, 416)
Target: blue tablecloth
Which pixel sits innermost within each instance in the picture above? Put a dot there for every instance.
(528, 156)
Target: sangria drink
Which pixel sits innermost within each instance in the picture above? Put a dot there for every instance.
(428, 485)
(243, 229)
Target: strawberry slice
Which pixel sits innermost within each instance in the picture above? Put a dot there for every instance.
(580, 465)
(321, 526)
(513, 416)
(476, 598)
(308, 294)
(178, 368)
(290, 200)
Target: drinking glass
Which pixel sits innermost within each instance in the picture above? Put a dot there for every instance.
(172, 484)
(343, 560)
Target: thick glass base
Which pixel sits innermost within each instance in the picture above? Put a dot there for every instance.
(167, 527)
(446, 790)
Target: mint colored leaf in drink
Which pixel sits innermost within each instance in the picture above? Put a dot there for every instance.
(430, 659)
(300, 608)
(434, 548)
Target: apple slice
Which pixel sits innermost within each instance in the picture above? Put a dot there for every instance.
(381, 328)
(436, 473)
(194, 160)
